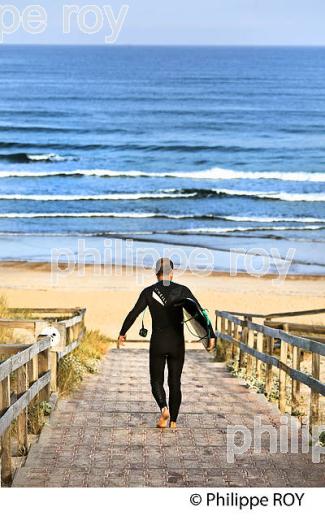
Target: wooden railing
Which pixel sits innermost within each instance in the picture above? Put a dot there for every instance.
(280, 319)
(33, 369)
(251, 345)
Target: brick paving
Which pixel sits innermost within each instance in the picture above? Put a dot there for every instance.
(104, 435)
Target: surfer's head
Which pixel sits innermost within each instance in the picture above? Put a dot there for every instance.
(164, 269)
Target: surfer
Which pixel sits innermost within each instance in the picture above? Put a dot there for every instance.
(167, 344)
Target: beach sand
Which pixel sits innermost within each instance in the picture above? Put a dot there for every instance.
(109, 294)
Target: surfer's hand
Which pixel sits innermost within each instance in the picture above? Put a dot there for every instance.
(212, 344)
(120, 342)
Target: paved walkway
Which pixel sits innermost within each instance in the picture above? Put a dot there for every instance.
(104, 435)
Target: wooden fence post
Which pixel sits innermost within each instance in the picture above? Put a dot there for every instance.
(222, 344)
(259, 345)
(244, 336)
(250, 359)
(22, 434)
(54, 366)
(235, 348)
(295, 385)
(229, 345)
(44, 366)
(6, 466)
(283, 375)
(77, 327)
(217, 329)
(268, 368)
(64, 335)
(32, 369)
(226, 343)
(218, 322)
(314, 396)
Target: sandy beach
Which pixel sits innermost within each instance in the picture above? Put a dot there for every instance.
(109, 294)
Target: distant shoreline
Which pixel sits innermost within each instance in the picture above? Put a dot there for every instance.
(137, 250)
(43, 266)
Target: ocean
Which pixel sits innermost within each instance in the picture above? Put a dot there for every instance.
(216, 147)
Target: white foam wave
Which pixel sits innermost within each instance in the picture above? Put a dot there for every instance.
(171, 194)
(109, 196)
(52, 157)
(289, 197)
(235, 218)
(92, 215)
(144, 215)
(212, 174)
(220, 230)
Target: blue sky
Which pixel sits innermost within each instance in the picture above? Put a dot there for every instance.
(204, 22)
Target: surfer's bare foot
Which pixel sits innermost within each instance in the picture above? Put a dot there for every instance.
(120, 341)
(172, 425)
(163, 419)
(211, 345)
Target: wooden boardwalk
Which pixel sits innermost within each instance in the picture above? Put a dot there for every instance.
(104, 436)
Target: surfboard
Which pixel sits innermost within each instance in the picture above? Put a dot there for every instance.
(197, 321)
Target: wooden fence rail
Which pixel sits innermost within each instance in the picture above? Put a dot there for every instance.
(279, 319)
(306, 312)
(251, 347)
(29, 374)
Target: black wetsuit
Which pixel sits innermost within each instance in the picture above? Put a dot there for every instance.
(167, 339)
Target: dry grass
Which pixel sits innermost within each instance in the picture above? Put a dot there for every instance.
(6, 335)
(84, 359)
(37, 414)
